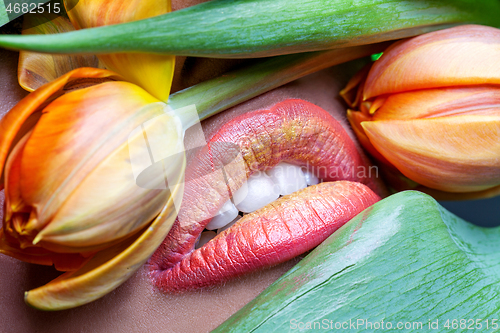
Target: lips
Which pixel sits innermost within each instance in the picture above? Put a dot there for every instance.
(292, 131)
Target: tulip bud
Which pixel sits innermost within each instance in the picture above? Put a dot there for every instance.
(71, 193)
(429, 107)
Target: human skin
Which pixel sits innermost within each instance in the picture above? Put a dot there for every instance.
(137, 306)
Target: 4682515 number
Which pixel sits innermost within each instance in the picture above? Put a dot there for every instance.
(471, 324)
(40, 8)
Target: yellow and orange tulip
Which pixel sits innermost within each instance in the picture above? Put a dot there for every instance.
(71, 194)
(72, 156)
(430, 107)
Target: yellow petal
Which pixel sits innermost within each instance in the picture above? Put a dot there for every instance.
(455, 154)
(459, 56)
(152, 72)
(475, 100)
(37, 69)
(108, 269)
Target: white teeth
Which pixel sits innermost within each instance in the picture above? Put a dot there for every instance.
(229, 225)
(205, 237)
(311, 179)
(258, 191)
(290, 178)
(225, 215)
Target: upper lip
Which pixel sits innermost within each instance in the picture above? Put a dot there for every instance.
(176, 266)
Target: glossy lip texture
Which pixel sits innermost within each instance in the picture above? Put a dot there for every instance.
(294, 131)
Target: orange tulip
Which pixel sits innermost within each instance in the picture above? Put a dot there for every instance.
(71, 196)
(430, 107)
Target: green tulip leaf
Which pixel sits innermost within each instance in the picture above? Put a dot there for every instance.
(405, 261)
(262, 28)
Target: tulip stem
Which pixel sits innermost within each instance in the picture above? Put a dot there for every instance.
(216, 95)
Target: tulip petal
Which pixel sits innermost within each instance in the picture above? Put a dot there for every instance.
(36, 69)
(398, 183)
(76, 143)
(440, 195)
(112, 180)
(16, 217)
(459, 56)
(355, 119)
(352, 93)
(154, 73)
(475, 100)
(108, 269)
(14, 202)
(21, 119)
(455, 154)
(36, 255)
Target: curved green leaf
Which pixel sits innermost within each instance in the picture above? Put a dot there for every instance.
(258, 28)
(403, 260)
(218, 94)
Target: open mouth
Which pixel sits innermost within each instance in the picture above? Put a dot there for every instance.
(272, 209)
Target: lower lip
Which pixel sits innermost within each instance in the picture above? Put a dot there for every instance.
(294, 131)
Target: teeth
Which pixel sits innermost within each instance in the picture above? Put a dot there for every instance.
(257, 192)
(260, 189)
(290, 178)
(229, 225)
(226, 214)
(205, 237)
(311, 179)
